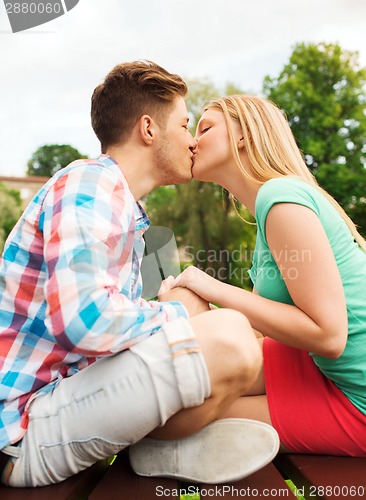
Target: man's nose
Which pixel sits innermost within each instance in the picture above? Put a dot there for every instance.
(193, 144)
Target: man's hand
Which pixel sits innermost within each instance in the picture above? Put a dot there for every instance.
(192, 302)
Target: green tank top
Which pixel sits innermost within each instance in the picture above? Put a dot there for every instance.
(348, 372)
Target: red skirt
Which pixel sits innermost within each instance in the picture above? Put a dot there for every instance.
(309, 412)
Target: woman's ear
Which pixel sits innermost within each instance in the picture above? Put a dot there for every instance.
(241, 143)
(146, 128)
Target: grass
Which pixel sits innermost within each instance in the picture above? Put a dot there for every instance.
(292, 487)
(196, 496)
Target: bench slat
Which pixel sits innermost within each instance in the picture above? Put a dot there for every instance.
(345, 477)
(121, 482)
(258, 484)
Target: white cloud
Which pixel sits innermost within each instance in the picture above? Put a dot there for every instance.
(49, 72)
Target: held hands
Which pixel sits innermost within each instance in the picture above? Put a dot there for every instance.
(196, 280)
(191, 288)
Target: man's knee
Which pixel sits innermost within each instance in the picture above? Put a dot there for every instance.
(239, 345)
(230, 348)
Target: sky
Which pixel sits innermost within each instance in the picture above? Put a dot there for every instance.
(49, 72)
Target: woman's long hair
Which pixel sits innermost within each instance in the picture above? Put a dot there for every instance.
(270, 145)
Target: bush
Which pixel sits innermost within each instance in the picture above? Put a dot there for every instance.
(10, 211)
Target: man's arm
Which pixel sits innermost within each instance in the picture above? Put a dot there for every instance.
(88, 228)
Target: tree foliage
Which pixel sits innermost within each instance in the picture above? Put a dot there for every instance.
(322, 91)
(10, 210)
(50, 158)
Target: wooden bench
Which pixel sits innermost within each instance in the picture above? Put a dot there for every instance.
(76, 488)
(325, 476)
(314, 476)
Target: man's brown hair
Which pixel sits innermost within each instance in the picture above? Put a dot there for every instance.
(129, 91)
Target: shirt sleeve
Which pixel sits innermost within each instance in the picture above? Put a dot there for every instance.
(88, 228)
(282, 190)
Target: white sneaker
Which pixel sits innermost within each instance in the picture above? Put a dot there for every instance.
(224, 451)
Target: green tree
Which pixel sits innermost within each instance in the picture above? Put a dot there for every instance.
(207, 229)
(50, 158)
(322, 91)
(10, 210)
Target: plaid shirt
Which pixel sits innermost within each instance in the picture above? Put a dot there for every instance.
(70, 285)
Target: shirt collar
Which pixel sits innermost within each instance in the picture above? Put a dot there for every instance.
(141, 217)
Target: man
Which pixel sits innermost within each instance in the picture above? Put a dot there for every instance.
(87, 366)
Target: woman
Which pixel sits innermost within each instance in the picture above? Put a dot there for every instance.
(309, 275)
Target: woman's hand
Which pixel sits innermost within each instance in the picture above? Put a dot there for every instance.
(198, 281)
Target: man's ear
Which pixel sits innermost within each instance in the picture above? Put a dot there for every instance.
(147, 129)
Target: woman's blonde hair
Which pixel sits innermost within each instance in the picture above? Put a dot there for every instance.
(270, 145)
